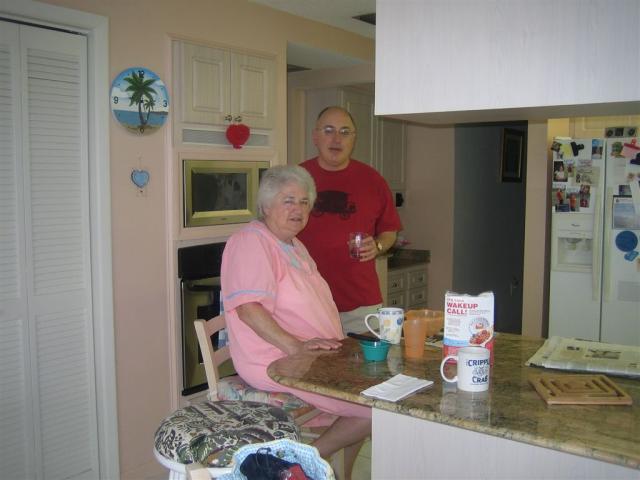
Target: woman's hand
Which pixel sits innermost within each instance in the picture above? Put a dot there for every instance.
(319, 344)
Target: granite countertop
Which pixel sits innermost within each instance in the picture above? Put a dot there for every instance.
(407, 257)
(511, 409)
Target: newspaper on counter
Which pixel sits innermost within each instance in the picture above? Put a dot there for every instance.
(397, 388)
(586, 356)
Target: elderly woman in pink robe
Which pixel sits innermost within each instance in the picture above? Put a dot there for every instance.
(277, 304)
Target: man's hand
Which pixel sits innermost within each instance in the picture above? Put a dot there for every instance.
(368, 250)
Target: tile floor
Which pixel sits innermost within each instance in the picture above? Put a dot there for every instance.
(362, 467)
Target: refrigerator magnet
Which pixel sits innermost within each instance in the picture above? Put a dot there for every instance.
(576, 148)
(566, 151)
(626, 241)
(624, 215)
(631, 256)
(631, 149)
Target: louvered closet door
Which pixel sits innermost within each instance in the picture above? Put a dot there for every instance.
(47, 383)
(15, 385)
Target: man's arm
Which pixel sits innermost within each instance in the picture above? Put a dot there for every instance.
(386, 240)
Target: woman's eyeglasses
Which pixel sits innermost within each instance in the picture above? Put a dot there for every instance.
(330, 131)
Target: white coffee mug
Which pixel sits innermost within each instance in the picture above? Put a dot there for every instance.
(473, 369)
(390, 324)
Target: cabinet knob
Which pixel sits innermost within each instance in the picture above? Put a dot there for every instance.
(228, 118)
(238, 119)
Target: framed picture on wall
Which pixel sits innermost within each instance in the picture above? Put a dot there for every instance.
(513, 153)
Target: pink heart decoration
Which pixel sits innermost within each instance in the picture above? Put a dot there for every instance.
(237, 134)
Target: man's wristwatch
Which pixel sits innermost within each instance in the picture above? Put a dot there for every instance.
(379, 247)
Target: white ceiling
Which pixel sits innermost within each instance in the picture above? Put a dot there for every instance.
(337, 13)
(314, 58)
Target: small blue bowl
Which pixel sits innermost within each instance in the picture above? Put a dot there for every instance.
(375, 351)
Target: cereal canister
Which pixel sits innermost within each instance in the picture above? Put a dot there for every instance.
(468, 321)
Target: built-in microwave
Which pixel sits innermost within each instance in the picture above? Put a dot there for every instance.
(217, 192)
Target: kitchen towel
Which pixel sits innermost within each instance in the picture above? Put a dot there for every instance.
(397, 388)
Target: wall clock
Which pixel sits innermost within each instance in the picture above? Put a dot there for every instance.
(139, 100)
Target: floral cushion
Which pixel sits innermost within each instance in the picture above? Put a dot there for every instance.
(209, 433)
(234, 388)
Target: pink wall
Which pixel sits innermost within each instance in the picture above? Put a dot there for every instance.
(143, 243)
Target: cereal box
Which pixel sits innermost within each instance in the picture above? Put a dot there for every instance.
(468, 321)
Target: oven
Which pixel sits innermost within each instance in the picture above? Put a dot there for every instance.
(199, 275)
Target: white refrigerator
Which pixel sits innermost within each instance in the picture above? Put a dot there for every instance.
(595, 235)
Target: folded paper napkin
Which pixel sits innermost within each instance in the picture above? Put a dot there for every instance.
(397, 388)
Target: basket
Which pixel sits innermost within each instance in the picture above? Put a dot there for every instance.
(307, 456)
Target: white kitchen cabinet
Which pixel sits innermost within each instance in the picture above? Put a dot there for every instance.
(396, 299)
(440, 61)
(219, 85)
(429, 449)
(417, 288)
(396, 289)
(391, 151)
(407, 287)
(360, 106)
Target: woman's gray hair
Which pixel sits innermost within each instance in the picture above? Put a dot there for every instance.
(274, 180)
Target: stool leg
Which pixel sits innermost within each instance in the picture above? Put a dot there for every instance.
(173, 475)
(196, 471)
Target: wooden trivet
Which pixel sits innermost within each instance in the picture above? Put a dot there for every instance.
(557, 389)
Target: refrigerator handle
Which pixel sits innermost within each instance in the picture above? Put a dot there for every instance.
(606, 239)
(596, 250)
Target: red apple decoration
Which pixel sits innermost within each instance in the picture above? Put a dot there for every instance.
(237, 134)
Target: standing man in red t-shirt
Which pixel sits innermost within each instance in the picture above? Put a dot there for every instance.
(352, 197)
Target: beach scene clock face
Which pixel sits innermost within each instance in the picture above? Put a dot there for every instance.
(139, 100)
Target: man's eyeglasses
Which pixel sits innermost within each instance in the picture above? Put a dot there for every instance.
(330, 131)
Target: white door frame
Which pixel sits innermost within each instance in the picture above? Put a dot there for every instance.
(96, 29)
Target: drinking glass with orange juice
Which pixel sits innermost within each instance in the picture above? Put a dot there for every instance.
(418, 325)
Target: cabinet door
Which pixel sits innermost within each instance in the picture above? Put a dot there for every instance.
(315, 101)
(416, 297)
(205, 84)
(253, 90)
(417, 278)
(396, 300)
(396, 282)
(360, 105)
(391, 151)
